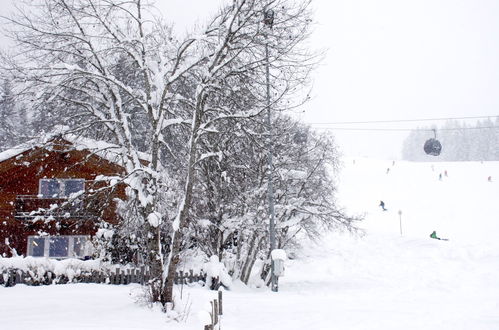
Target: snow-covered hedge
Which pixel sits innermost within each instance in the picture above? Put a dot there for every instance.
(47, 271)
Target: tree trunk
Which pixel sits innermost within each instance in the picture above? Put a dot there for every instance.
(181, 220)
(155, 263)
(250, 258)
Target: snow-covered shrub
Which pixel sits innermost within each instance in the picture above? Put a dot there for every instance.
(216, 274)
(38, 271)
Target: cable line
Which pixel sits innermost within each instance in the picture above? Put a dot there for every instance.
(400, 120)
(401, 129)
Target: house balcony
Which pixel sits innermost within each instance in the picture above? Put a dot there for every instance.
(36, 207)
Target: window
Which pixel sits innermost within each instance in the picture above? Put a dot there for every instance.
(36, 247)
(79, 245)
(60, 188)
(59, 246)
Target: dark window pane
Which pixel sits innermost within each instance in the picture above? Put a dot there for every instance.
(36, 246)
(59, 247)
(73, 186)
(49, 188)
(79, 246)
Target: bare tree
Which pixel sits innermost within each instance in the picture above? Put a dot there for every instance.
(70, 51)
(116, 69)
(235, 225)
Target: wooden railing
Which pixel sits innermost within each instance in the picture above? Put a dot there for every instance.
(31, 206)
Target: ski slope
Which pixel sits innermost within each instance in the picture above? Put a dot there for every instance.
(463, 206)
(376, 280)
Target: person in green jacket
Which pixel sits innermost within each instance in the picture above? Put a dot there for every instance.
(434, 235)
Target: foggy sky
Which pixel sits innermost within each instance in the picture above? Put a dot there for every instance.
(389, 59)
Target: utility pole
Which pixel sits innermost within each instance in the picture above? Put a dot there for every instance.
(268, 20)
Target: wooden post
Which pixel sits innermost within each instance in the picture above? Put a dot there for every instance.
(141, 275)
(24, 277)
(212, 314)
(11, 280)
(18, 277)
(220, 309)
(102, 277)
(122, 276)
(181, 277)
(215, 311)
(133, 276)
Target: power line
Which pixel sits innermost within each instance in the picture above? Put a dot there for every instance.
(401, 120)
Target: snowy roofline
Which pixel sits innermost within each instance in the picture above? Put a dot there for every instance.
(110, 152)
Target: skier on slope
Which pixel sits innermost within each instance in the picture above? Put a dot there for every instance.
(434, 235)
(382, 204)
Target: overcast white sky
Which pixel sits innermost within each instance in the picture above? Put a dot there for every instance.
(390, 59)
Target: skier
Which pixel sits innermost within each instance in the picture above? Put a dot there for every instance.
(434, 235)
(445, 173)
(440, 176)
(489, 178)
(382, 204)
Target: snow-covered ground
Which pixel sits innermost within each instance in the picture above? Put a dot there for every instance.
(380, 280)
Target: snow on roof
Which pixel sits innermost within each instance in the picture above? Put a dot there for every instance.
(17, 150)
(108, 151)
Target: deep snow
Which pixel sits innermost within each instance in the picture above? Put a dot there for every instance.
(379, 280)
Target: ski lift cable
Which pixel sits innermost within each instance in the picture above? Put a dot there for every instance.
(401, 120)
(401, 129)
(356, 129)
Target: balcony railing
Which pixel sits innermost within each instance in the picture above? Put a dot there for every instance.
(36, 206)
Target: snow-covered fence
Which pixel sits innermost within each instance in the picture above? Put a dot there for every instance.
(215, 313)
(45, 272)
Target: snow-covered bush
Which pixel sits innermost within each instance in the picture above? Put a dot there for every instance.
(47, 271)
(216, 274)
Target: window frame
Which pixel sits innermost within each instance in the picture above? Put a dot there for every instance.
(81, 239)
(62, 187)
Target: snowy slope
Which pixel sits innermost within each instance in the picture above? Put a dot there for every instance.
(463, 205)
(380, 280)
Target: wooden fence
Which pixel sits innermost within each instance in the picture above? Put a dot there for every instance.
(12, 277)
(215, 313)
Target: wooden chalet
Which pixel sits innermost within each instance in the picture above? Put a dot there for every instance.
(53, 194)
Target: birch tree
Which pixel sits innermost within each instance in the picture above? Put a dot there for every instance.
(69, 51)
(233, 68)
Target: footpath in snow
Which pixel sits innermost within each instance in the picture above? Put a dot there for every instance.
(378, 280)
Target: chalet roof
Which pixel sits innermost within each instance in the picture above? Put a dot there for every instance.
(105, 150)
